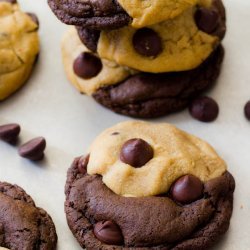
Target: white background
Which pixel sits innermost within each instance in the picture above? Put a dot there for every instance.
(49, 106)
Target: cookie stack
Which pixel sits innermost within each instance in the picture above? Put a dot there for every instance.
(142, 58)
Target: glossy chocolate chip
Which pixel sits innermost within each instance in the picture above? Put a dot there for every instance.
(33, 17)
(86, 65)
(33, 149)
(204, 109)
(187, 189)
(206, 19)
(147, 42)
(10, 132)
(247, 110)
(83, 163)
(136, 152)
(108, 232)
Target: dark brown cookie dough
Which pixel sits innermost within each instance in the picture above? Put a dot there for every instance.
(149, 222)
(22, 224)
(152, 95)
(89, 37)
(91, 14)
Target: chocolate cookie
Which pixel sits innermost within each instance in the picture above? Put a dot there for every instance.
(181, 197)
(22, 224)
(152, 95)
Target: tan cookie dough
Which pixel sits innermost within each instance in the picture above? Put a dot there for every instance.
(184, 46)
(111, 73)
(19, 46)
(148, 12)
(176, 153)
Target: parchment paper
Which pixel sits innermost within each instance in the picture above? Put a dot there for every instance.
(49, 106)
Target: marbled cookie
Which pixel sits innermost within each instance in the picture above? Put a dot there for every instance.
(19, 47)
(112, 14)
(22, 224)
(151, 186)
(178, 44)
(134, 93)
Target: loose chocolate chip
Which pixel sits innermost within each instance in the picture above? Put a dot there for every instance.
(33, 17)
(136, 152)
(147, 42)
(247, 110)
(33, 149)
(86, 65)
(9, 132)
(108, 232)
(204, 109)
(206, 19)
(187, 189)
(83, 163)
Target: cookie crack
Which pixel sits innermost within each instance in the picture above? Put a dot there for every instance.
(23, 230)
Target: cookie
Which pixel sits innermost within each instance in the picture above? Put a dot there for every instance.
(178, 44)
(152, 186)
(90, 37)
(118, 13)
(134, 93)
(147, 95)
(22, 224)
(19, 47)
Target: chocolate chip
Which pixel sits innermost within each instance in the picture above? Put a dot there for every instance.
(206, 19)
(108, 232)
(187, 189)
(33, 149)
(83, 163)
(204, 109)
(247, 110)
(87, 65)
(33, 17)
(136, 152)
(115, 133)
(9, 132)
(147, 42)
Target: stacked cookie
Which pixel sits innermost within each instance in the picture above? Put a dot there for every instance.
(142, 58)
